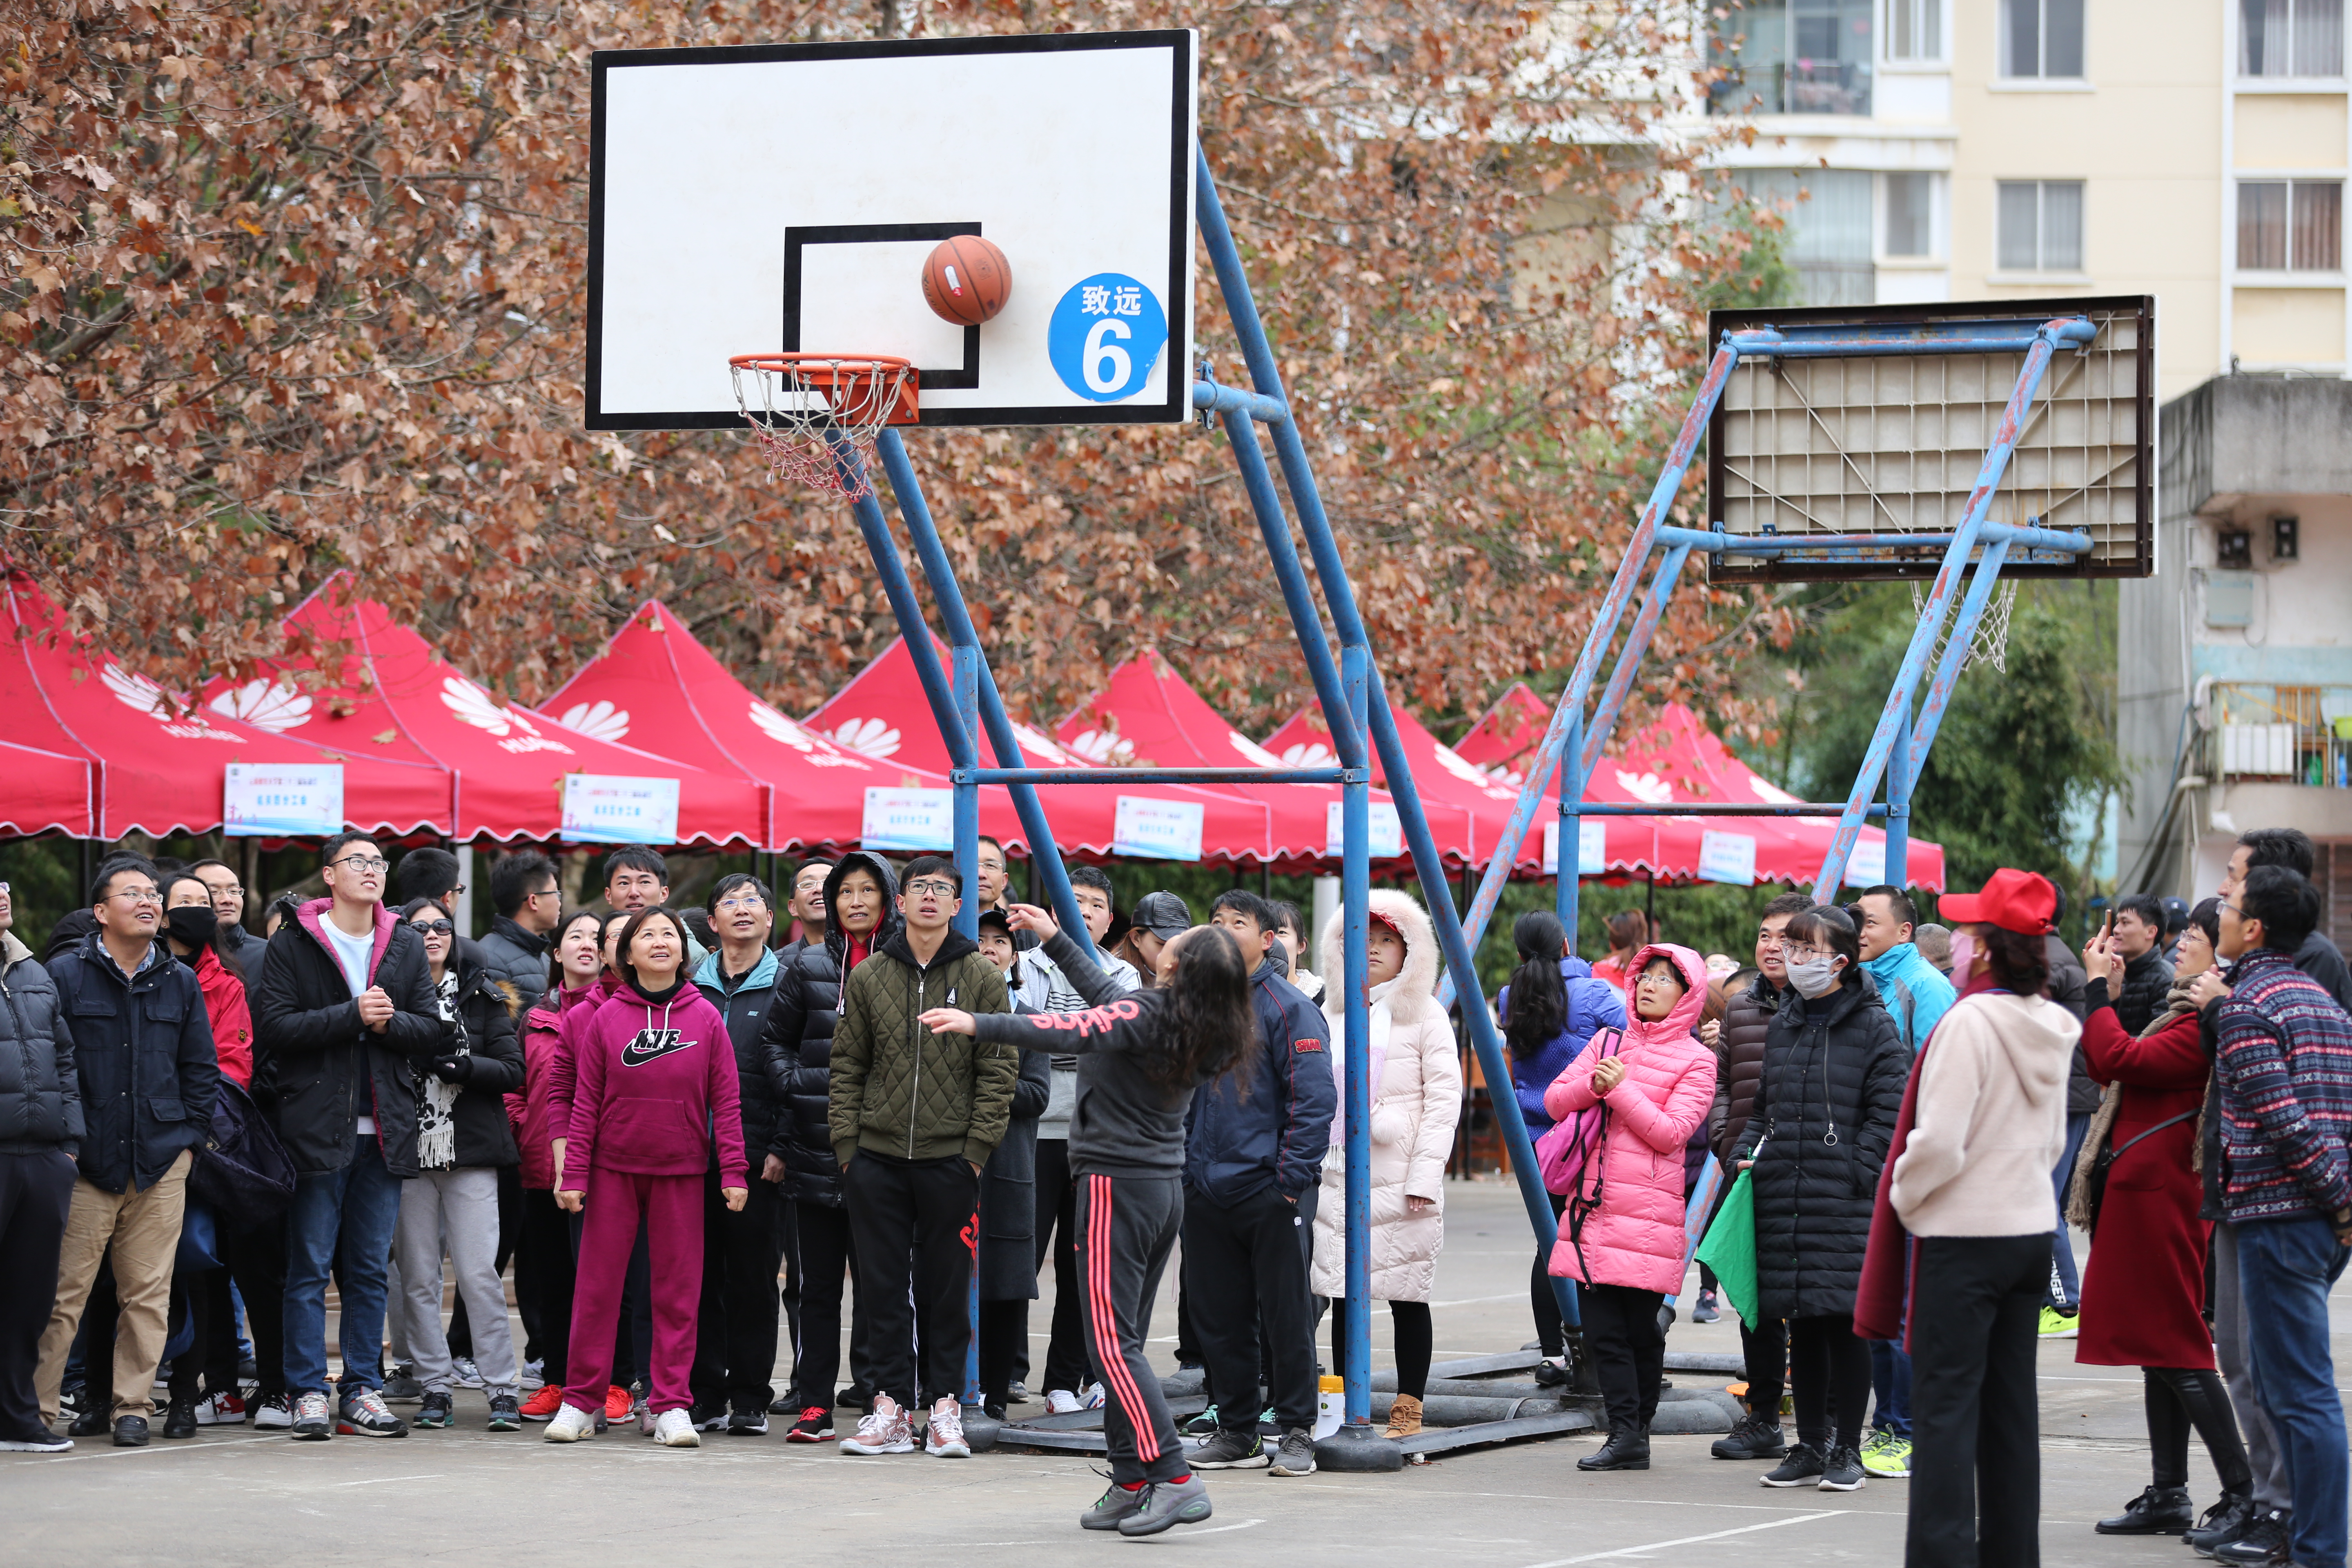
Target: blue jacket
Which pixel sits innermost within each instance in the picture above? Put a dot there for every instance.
(1931, 995)
(1592, 1006)
(143, 1053)
(1234, 1147)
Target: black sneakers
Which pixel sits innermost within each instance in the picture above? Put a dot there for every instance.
(131, 1432)
(1801, 1468)
(1756, 1437)
(1224, 1450)
(180, 1419)
(436, 1410)
(1296, 1457)
(816, 1426)
(2158, 1511)
(2264, 1544)
(2227, 1519)
(1841, 1471)
(506, 1413)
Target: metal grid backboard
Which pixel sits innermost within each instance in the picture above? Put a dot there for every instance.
(1892, 444)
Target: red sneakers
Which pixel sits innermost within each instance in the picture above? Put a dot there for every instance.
(816, 1426)
(544, 1405)
(618, 1405)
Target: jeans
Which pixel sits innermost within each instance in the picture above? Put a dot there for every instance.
(2065, 1285)
(1890, 1383)
(348, 1214)
(2233, 1351)
(2288, 1265)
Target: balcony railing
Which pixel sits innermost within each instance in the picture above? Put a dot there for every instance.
(1794, 87)
(2281, 734)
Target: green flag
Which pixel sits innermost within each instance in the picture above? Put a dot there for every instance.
(1730, 1247)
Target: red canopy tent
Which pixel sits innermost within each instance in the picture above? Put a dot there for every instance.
(884, 714)
(657, 684)
(1504, 735)
(1149, 716)
(1452, 791)
(143, 764)
(506, 767)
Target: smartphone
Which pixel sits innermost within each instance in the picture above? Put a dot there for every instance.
(2108, 930)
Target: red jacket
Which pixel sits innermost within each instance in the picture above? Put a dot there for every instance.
(531, 1111)
(2144, 1287)
(231, 1022)
(656, 1086)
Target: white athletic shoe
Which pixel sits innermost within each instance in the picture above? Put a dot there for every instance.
(1094, 1397)
(464, 1373)
(572, 1425)
(1061, 1402)
(943, 1435)
(675, 1429)
(884, 1430)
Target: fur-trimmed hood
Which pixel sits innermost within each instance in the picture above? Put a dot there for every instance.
(1414, 995)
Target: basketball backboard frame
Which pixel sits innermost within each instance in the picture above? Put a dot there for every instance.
(686, 246)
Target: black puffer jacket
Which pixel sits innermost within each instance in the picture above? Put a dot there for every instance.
(489, 1071)
(797, 1046)
(40, 1092)
(1746, 1022)
(1826, 1111)
(143, 1050)
(2147, 979)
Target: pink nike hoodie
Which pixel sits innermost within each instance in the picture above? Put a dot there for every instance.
(657, 1084)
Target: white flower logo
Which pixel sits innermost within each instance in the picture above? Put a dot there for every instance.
(1104, 747)
(1250, 749)
(1768, 791)
(779, 728)
(1647, 786)
(1038, 744)
(1469, 773)
(474, 705)
(1309, 754)
(271, 705)
(598, 719)
(867, 737)
(135, 691)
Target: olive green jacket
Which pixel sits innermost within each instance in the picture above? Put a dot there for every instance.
(896, 1088)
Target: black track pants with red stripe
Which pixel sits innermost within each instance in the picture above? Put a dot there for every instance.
(1127, 1227)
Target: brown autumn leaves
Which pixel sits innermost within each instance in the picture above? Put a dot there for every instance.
(288, 286)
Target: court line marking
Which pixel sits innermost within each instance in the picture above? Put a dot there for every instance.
(386, 1480)
(175, 1447)
(1688, 1540)
(1221, 1529)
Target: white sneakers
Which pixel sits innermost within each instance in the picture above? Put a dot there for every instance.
(943, 1435)
(1093, 1396)
(571, 1424)
(885, 1430)
(1062, 1402)
(675, 1429)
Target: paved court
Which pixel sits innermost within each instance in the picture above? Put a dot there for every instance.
(465, 1494)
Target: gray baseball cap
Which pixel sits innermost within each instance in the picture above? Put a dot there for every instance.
(1162, 914)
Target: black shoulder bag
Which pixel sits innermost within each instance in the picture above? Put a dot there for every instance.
(2095, 1184)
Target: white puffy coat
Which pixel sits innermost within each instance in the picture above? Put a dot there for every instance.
(1416, 1101)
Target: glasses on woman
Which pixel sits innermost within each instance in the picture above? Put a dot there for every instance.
(1802, 955)
(433, 928)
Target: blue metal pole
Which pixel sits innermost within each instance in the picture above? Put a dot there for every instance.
(967, 795)
(900, 590)
(1044, 853)
(1572, 790)
(1356, 890)
(1939, 600)
(1898, 806)
(1628, 658)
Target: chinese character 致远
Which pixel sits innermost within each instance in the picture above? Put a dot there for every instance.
(1093, 299)
(1128, 301)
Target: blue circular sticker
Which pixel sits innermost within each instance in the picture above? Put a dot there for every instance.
(1104, 337)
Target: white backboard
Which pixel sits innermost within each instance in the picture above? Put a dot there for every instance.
(782, 197)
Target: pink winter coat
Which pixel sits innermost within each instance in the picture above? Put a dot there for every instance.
(1634, 1238)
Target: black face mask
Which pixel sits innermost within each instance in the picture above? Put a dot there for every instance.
(193, 925)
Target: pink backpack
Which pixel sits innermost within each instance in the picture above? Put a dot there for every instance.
(1561, 1153)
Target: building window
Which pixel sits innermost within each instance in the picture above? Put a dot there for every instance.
(1914, 29)
(2041, 38)
(1829, 230)
(1793, 57)
(2040, 225)
(1910, 215)
(2290, 37)
(2290, 225)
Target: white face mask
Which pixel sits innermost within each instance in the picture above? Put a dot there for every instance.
(1964, 956)
(1814, 978)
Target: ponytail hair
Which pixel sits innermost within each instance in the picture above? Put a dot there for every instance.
(1537, 1007)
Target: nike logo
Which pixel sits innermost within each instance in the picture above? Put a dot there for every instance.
(652, 1044)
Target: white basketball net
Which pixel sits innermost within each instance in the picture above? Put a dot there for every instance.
(1990, 644)
(816, 417)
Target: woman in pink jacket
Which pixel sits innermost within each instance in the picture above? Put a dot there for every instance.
(1645, 1088)
(657, 1088)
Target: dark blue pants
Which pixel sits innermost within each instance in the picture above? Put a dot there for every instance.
(341, 1223)
(35, 1191)
(2286, 1266)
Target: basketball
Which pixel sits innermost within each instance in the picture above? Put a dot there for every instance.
(966, 280)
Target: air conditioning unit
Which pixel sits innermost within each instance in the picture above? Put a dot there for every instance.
(2261, 751)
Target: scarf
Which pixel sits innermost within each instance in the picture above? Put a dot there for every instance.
(437, 1101)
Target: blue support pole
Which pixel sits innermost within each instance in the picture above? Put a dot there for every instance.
(1356, 890)
(1629, 657)
(1571, 861)
(1898, 806)
(967, 795)
(1939, 599)
(1044, 852)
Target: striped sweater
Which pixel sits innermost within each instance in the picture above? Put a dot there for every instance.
(2284, 1057)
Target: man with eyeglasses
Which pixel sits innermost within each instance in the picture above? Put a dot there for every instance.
(526, 904)
(914, 1116)
(348, 1012)
(148, 1078)
(227, 889)
(735, 1340)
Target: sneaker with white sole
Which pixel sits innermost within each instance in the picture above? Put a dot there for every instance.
(1062, 1402)
(571, 1424)
(1842, 1470)
(39, 1440)
(883, 1430)
(816, 1426)
(2057, 1325)
(943, 1433)
(311, 1423)
(1296, 1457)
(366, 1415)
(533, 1376)
(220, 1410)
(273, 1413)
(645, 1419)
(1231, 1451)
(676, 1429)
(1169, 1503)
(1092, 1397)
(464, 1373)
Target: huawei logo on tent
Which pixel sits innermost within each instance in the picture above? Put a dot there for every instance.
(867, 737)
(1462, 768)
(477, 707)
(271, 705)
(1250, 749)
(1106, 747)
(1309, 754)
(785, 733)
(1647, 786)
(1038, 744)
(599, 721)
(136, 691)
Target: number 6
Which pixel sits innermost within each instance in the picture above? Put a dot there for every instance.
(1098, 353)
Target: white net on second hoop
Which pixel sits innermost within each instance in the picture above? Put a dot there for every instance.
(816, 416)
